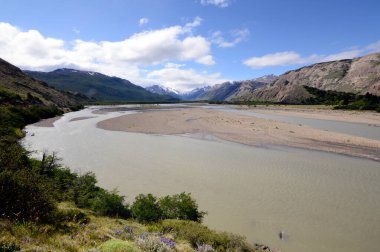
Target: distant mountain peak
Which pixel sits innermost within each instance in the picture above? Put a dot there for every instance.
(162, 90)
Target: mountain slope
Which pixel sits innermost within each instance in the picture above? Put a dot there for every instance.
(233, 90)
(195, 94)
(157, 89)
(30, 91)
(358, 75)
(95, 85)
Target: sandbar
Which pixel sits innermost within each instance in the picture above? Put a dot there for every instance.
(47, 122)
(248, 130)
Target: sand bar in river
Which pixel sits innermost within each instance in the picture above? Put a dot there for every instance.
(242, 129)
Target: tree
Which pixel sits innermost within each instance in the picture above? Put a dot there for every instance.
(145, 208)
(180, 206)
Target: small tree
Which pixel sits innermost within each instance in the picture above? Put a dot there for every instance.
(180, 206)
(110, 204)
(146, 208)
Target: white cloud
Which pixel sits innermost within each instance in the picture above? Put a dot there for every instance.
(237, 36)
(275, 59)
(32, 50)
(293, 58)
(197, 22)
(342, 55)
(218, 3)
(174, 76)
(143, 21)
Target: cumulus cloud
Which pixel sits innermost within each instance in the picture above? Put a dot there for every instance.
(143, 21)
(218, 3)
(32, 50)
(293, 58)
(175, 76)
(237, 36)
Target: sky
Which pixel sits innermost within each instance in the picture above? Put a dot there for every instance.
(184, 44)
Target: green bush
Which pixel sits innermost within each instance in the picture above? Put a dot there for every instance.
(25, 195)
(145, 208)
(181, 207)
(9, 247)
(109, 204)
(85, 189)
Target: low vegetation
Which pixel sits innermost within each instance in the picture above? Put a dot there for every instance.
(335, 99)
(343, 100)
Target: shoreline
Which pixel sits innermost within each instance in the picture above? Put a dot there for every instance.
(47, 122)
(351, 116)
(242, 129)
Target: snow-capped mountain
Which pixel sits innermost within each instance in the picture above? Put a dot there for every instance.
(157, 89)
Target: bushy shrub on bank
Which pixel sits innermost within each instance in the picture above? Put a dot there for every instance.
(148, 208)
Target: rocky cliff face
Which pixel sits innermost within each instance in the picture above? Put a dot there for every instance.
(359, 75)
(229, 91)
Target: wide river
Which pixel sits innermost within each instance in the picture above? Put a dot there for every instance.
(322, 202)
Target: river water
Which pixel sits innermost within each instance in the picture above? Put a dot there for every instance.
(322, 202)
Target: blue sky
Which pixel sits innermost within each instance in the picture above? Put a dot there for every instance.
(186, 43)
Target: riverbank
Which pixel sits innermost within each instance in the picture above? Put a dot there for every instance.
(319, 112)
(243, 129)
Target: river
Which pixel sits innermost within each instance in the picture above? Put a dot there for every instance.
(322, 202)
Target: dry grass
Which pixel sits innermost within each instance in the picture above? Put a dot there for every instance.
(99, 234)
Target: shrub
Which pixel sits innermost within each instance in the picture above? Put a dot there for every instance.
(25, 195)
(115, 245)
(70, 215)
(85, 189)
(153, 244)
(181, 207)
(110, 204)
(146, 208)
(199, 236)
(9, 247)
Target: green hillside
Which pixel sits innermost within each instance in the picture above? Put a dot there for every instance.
(98, 86)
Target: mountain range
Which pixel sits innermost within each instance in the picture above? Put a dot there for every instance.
(358, 76)
(97, 86)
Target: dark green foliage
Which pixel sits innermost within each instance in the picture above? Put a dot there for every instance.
(84, 189)
(10, 98)
(145, 208)
(342, 100)
(109, 204)
(181, 207)
(12, 156)
(24, 195)
(9, 247)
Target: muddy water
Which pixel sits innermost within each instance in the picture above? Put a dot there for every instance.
(322, 202)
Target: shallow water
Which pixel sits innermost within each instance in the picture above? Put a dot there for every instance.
(355, 129)
(323, 202)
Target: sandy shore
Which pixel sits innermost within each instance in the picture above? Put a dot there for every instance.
(242, 129)
(81, 118)
(366, 117)
(47, 122)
